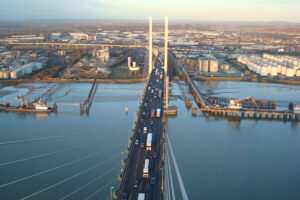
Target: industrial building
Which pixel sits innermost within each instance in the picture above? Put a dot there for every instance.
(102, 55)
(133, 68)
(79, 36)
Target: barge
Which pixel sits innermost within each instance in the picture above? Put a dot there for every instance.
(31, 107)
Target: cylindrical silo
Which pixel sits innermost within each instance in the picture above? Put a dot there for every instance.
(257, 68)
(263, 70)
(17, 73)
(274, 71)
(5, 75)
(129, 61)
(199, 65)
(269, 69)
(279, 68)
(213, 66)
(205, 65)
(27, 69)
(225, 67)
(290, 72)
(283, 70)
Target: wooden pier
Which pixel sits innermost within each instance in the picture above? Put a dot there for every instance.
(85, 107)
(250, 114)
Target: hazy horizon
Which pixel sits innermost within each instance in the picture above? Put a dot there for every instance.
(214, 10)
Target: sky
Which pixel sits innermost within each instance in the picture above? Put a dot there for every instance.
(212, 10)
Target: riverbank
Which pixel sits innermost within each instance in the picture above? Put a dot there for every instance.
(262, 80)
(53, 80)
(139, 80)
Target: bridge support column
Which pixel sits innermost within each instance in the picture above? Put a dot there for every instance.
(273, 116)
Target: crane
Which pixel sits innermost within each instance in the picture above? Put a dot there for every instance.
(29, 102)
(255, 102)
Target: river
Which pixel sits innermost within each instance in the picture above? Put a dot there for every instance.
(237, 159)
(51, 156)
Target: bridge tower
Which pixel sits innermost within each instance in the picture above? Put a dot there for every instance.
(166, 44)
(150, 44)
(166, 62)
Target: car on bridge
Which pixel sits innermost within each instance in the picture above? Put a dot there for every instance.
(154, 155)
(136, 183)
(153, 180)
(124, 196)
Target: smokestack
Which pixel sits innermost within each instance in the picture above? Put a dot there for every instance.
(129, 61)
(166, 45)
(150, 45)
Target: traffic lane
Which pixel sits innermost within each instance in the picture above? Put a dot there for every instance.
(137, 170)
(137, 174)
(139, 166)
(146, 184)
(153, 190)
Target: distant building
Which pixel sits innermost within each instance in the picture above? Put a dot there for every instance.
(102, 55)
(79, 36)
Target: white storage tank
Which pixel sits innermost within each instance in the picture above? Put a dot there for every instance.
(5, 75)
(213, 66)
(225, 67)
(269, 69)
(283, 70)
(16, 74)
(279, 68)
(205, 65)
(34, 67)
(264, 71)
(27, 69)
(274, 71)
(298, 72)
(200, 65)
(257, 68)
(290, 72)
(39, 66)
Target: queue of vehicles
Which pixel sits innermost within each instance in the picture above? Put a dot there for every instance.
(145, 173)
